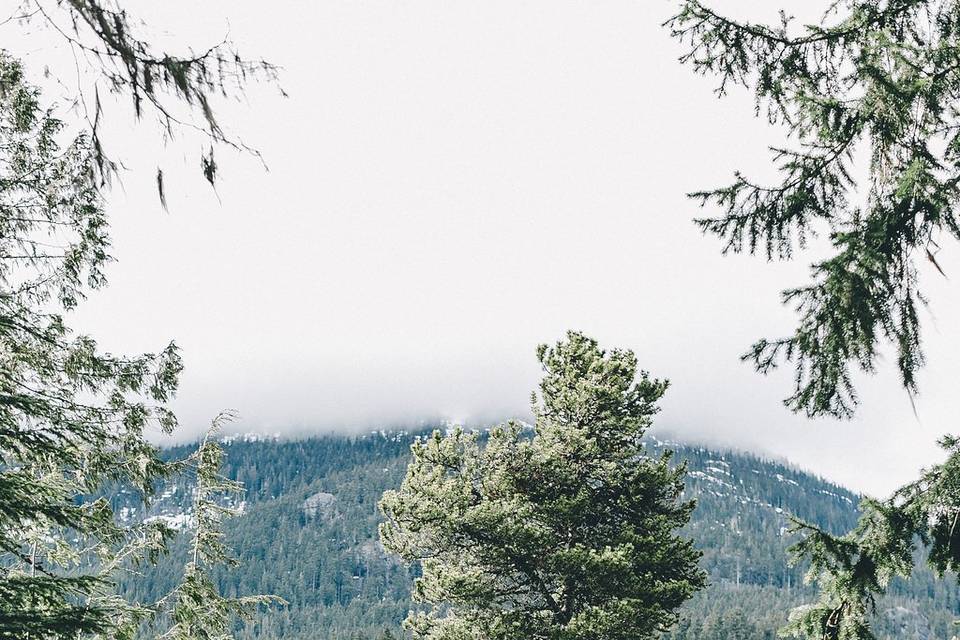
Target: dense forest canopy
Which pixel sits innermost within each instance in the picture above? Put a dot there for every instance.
(309, 534)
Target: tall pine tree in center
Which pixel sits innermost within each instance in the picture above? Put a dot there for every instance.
(569, 534)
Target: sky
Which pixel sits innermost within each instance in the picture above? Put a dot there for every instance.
(450, 184)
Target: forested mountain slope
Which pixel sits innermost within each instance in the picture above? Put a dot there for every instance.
(308, 533)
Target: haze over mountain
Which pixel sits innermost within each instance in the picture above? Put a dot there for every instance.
(590, 225)
(450, 185)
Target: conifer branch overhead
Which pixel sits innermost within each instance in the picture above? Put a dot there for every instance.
(179, 89)
(883, 76)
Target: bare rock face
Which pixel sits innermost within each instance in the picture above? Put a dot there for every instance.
(372, 549)
(319, 504)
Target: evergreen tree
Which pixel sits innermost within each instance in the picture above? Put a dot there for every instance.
(740, 525)
(72, 418)
(854, 569)
(882, 76)
(570, 534)
(196, 608)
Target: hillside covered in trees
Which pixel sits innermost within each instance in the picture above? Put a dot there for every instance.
(308, 533)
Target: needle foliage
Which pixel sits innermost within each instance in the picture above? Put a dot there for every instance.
(73, 417)
(882, 76)
(568, 534)
(195, 609)
(877, 76)
(854, 569)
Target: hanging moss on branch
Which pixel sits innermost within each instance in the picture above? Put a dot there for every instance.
(178, 89)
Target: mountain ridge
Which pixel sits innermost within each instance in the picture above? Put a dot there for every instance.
(308, 534)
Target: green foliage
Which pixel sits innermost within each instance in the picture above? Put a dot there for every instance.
(884, 77)
(568, 534)
(180, 91)
(196, 608)
(71, 417)
(327, 565)
(853, 569)
(341, 585)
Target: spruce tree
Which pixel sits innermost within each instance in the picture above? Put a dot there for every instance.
(566, 533)
(877, 76)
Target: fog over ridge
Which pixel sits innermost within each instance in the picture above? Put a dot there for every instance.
(441, 215)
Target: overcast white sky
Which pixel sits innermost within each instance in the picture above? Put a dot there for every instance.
(452, 183)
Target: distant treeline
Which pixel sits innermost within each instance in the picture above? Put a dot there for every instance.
(327, 563)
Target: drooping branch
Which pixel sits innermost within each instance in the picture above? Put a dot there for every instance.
(853, 570)
(180, 90)
(883, 80)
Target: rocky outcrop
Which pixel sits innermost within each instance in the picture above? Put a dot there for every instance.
(319, 504)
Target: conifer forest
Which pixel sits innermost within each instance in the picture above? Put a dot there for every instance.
(553, 320)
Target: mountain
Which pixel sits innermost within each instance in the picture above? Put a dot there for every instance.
(308, 533)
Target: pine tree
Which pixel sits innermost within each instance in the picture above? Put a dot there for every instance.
(570, 533)
(882, 76)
